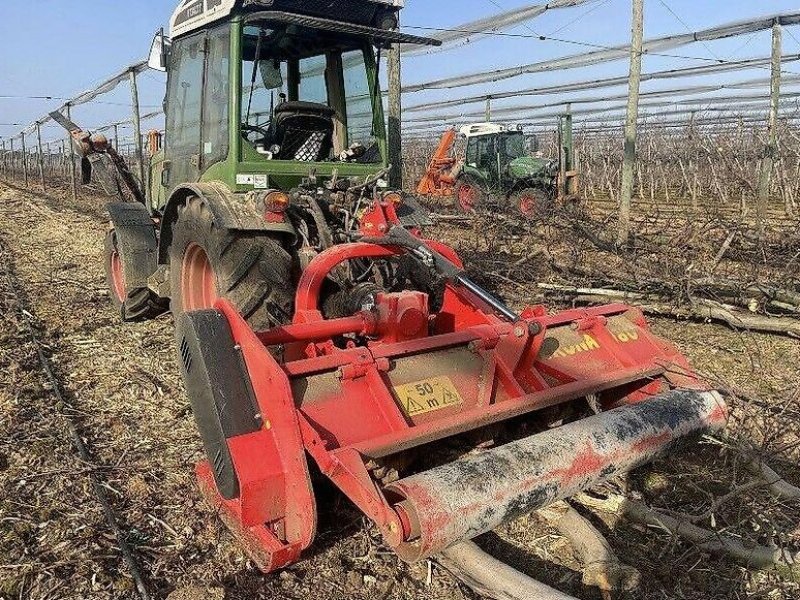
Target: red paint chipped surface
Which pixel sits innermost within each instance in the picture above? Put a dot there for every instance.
(587, 461)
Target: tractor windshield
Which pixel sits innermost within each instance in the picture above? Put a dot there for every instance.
(307, 94)
(514, 146)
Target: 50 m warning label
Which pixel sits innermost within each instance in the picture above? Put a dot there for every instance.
(427, 395)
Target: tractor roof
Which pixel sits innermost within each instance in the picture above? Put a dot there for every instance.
(195, 14)
(477, 129)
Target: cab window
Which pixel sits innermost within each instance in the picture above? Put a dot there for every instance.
(303, 101)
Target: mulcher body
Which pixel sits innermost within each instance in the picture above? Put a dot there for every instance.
(379, 399)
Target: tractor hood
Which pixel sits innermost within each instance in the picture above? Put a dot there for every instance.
(530, 166)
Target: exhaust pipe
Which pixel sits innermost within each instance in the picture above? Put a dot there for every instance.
(473, 495)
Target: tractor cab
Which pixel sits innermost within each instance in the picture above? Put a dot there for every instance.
(263, 93)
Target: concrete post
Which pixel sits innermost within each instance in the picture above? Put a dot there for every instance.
(24, 160)
(631, 121)
(768, 163)
(395, 137)
(40, 155)
(137, 135)
(72, 168)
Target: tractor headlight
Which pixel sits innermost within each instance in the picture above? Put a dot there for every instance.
(276, 202)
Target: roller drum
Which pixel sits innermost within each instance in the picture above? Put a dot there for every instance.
(463, 499)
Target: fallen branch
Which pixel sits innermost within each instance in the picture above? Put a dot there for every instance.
(721, 254)
(601, 567)
(702, 309)
(491, 578)
(752, 556)
(777, 485)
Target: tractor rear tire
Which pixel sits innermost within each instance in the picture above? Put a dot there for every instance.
(133, 304)
(252, 270)
(532, 203)
(469, 194)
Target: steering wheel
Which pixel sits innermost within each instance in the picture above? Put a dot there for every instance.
(247, 129)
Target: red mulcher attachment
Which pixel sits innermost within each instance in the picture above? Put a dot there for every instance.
(438, 426)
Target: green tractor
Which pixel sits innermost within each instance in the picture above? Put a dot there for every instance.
(503, 169)
(275, 146)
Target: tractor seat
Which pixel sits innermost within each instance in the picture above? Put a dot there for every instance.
(303, 130)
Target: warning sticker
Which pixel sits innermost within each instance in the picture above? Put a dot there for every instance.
(428, 395)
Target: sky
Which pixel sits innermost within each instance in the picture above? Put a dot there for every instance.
(62, 47)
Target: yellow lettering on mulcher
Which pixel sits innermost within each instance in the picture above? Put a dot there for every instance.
(588, 343)
(626, 336)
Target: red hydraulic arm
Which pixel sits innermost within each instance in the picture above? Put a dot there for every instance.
(438, 179)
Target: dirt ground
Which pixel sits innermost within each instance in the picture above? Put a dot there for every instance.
(123, 390)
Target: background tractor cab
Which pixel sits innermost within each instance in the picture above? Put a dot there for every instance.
(498, 155)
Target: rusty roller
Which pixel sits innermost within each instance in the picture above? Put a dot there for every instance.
(465, 498)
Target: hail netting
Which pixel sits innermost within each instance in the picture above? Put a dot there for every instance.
(595, 57)
(682, 91)
(479, 29)
(594, 84)
(473, 30)
(87, 96)
(145, 117)
(706, 104)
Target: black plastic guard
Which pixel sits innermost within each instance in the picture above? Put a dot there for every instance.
(219, 390)
(136, 241)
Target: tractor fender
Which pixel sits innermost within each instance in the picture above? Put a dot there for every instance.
(136, 237)
(230, 210)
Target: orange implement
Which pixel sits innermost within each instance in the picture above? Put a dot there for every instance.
(438, 179)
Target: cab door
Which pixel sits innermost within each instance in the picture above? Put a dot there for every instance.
(184, 111)
(198, 105)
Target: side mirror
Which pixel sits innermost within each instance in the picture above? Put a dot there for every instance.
(159, 51)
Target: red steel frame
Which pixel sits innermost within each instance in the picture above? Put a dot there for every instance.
(338, 405)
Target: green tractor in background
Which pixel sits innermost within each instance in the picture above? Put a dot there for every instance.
(503, 169)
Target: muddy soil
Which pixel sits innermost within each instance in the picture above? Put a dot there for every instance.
(123, 391)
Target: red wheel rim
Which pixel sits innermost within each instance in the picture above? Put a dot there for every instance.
(118, 277)
(198, 283)
(466, 197)
(527, 205)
